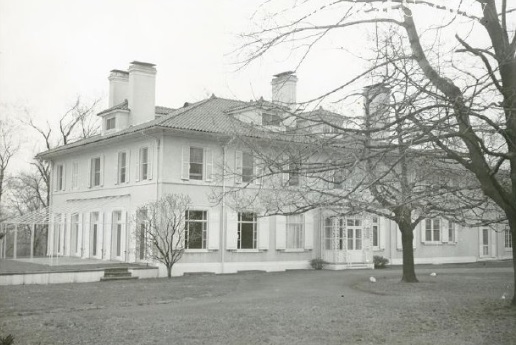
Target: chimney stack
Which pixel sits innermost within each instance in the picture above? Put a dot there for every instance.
(284, 88)
(376, 99)
(142, 92)
(118, 84)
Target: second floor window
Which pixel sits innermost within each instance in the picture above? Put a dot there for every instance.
(270, 120)
(60, 177)
(95, 172)
(111, 123)
(293, 172)
(122, 167)
(75, 175)
(247, 167)
(196, 163)
(144, 163)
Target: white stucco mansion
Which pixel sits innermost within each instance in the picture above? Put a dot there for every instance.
(145, 151)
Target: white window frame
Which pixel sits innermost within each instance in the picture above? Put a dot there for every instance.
(110, 120)
(295, 231)
(93, 172)
(246, 177)
(430, 228)
(202, 163)
(375, 232)
(124, 169)
(144, 165)
(204, 229)
(354, 227)
(452, 232)
(507, 239)
(254, 223)
(95, 233)
(118, 226)
(60, 177)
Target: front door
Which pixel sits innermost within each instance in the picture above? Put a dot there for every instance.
(485, 242)
(354, 232)
(343, 239)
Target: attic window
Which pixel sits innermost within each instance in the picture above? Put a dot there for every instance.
(111, 123)
(270, 120)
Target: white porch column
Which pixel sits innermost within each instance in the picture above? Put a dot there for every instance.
(15, 244)
(32, 230)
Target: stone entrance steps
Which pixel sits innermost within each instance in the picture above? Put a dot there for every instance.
(117, 273)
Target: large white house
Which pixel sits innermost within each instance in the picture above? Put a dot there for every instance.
(145, 151)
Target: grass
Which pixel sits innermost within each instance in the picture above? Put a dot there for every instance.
(458, 306)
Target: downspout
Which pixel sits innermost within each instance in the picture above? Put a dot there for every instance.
(223, 208)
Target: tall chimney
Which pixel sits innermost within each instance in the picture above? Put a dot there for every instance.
(142, 92)
(376, 99)
(118, 84)
(284, 88)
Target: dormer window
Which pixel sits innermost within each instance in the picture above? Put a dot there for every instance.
(270, 120)
(110, 123)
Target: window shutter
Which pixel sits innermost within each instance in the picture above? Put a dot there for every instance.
(80, 247)
(281, 232)
(64, 177)
(54, 174)
(89, 173)
(414, 233)
(238, 166)
(208, 153)
(100, 235)
(422, 226)
(127, 165)
(116, 168)
(232, 230)
(445, 223)
(285, 175)
(258, 171)
(138, 159)
(309, 230)
(263, 232)
(399, 244)
(185, 166)
(102, 162)
(213, 229)
(150, 161)
(383, 224)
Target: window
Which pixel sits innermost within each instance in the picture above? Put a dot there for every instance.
(508, 238)
(354, 234)
(117, 230)
(451, 232)
(122, 167)
(270, 120)
(75, 233)
(94, 224)
(485, 242)
(295, 231)
(293, 172)
(111, 123)
(246, 230)
(195, 229)
(328, 233)
(329, 129)
(339, 176)
(376, 232)
(95, 172)
(144, 163)
(432, 230)
(142, 227)
(196, 163)
(247, 167)
(75, 175)
(60, 177)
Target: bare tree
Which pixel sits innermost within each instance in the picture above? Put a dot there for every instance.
(8, 148)
(161, 231)
(475, 103)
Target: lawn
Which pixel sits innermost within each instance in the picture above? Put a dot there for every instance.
(458, 306)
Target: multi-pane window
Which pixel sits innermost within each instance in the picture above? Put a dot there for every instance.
(75, 175)
(94, 228)
(451, 231)
(432, 230)
(354, 227)
(144, 163)
(196, 163)
(111, 123)
(293, 172)
(376, 232)
(60, 177)
(508, 238)
(485, 242)
(328, 233)
(295, 231)
(246, 230)
(95, 172)
(122, 167)
(117, 229)
(196, 224)
(270, 120)
(247, 167)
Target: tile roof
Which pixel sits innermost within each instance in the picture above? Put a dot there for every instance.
(121, 106)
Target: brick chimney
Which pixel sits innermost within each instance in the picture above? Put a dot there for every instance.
(118, 85)
(142, 92)
(284, 88)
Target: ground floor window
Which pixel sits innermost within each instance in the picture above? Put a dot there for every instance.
(75, 233)
(354, 227)
(432, 230)
(376, 232)
(196, 224)
(117, 228)
(94, 228)
(508, 238)
(328, 233)
(451, 231)
(246, 230)
(485, 242)
(295, 231)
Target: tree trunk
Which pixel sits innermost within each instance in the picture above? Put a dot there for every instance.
(409, 272)
(169, 271)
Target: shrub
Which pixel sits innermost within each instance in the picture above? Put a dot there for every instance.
(318, 263)
(8, 340)
(380, 261)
